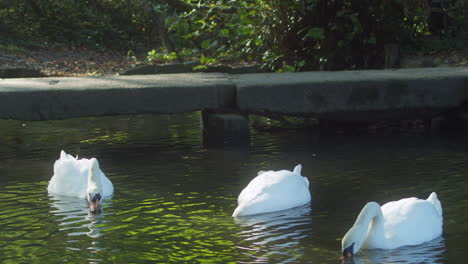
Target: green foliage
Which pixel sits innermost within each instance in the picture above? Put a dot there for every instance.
(294, 35)
(214, 34)
(453, 35)
(161, 57)
(459, 29)
(315, 33)
(283, 35)
(339, 34)
(457, 32)
(108, 23)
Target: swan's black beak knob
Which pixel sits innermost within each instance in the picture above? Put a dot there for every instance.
(94, 204)
(348, 252)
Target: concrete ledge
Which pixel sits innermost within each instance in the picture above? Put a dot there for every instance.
(59, 98)
(348, 95)
(355, 95)
(20, 73)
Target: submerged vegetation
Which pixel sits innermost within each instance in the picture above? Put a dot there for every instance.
(282, 35)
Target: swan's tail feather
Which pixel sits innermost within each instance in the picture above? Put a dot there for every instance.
(433, 199)
(298, 169)
(65, 156)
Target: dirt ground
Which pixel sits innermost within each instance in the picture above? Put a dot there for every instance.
(88, 62)
(453, 58)
(67, 62)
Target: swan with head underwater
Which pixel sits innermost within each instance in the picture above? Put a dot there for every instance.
(81, 178)
(409, 221)
(273, 191)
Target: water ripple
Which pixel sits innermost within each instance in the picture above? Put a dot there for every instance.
(174, 197)
(276, 235)
(429, 252)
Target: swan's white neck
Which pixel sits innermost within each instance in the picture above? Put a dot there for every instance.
(374, 220)
(94, 179)
(368, 228)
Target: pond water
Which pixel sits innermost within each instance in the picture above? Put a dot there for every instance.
(174, 197)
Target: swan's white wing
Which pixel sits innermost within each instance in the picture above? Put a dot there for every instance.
(70, 177)
(273, 191)
(108, 187)
(256, 186)
(411, 221)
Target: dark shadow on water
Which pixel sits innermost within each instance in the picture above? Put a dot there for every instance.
(223, 140)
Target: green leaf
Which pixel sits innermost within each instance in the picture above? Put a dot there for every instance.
(201, 21)
(172, 55)
(300, 64)
(224, 32)
(287, 68)
(314, 33)
(205, 44)
(200, 67)
(202, 59)
(258, 42)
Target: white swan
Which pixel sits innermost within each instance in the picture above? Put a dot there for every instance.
(273, 191)
(409, 221)
(81, 178)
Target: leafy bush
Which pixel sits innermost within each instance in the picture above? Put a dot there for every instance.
(448, 27)
(214, 33)
(341, 34)
(110, 23)
(283, 35)
(292, 35)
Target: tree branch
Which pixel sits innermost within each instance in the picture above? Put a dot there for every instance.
(158, 23)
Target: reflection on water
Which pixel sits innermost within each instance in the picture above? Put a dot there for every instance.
(75, 217)
(265, 237)
(429, 252)
(174, 197)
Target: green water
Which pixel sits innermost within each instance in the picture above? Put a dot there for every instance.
(174, 197)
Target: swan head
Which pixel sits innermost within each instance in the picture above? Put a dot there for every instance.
(351, 242)
(95, 190)
(348, 252)
(356, 235)
(94, 202)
